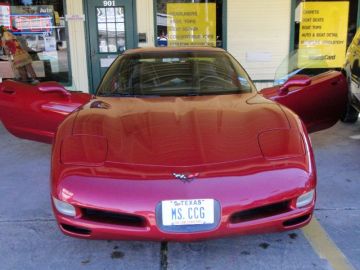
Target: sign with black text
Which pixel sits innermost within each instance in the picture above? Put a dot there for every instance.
(191, 24)
(323, 34)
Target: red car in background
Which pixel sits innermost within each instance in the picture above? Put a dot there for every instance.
(177, 145)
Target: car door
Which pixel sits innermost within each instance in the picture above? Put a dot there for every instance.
(353, 56)
(35, 112)
(319, 101)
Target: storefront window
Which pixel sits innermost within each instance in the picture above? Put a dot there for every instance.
(39, 28)
(189, 23)
(325, 27)
(352, 19)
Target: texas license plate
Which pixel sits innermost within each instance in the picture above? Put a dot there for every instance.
(187, 212)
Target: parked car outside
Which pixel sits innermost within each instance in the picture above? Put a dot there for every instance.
(352, 68)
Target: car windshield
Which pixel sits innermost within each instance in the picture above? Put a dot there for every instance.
(175, 74)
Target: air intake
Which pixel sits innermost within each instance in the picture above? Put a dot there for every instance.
(260, 212)
(76, 230)
(113, 217)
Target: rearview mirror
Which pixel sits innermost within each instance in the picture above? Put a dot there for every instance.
(52, 87)
(297, 80)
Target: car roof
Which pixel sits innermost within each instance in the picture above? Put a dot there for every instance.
(173, 49)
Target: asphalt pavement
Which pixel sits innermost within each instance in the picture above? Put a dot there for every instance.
(30, 239)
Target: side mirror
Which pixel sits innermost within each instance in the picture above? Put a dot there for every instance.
(297, 80)
(48, 87)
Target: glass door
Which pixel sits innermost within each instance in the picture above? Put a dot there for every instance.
(111, 32)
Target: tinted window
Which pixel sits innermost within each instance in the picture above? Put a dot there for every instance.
(175, 74)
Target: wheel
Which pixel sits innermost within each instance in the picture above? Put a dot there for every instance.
(350, 115)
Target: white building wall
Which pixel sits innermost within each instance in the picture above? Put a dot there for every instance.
(145, 20)
(259, 34)
(77, 46)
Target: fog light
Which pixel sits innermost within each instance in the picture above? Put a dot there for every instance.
(305, 199)
(64, 208)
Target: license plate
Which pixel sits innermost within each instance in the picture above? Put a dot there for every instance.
(187, 212)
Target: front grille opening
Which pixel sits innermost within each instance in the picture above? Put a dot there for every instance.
(296, 221)
(113, 218)
(76, 230)
(260, 212)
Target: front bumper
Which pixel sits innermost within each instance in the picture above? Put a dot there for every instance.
(96, 230)
(267, 198)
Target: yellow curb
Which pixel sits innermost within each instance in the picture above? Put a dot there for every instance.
(325, 247)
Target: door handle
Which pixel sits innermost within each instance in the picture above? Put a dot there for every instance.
(9, 91)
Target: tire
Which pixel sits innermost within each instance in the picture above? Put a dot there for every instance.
(350, 115)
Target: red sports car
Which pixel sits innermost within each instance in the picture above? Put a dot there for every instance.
(178, 145)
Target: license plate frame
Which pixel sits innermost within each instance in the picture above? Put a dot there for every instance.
(187, 212)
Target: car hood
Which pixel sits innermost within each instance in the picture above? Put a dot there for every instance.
(180, 131)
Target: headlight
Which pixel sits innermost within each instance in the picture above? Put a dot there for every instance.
(64, 208)
(305, 199)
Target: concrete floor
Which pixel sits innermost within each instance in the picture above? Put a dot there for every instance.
(30, 239)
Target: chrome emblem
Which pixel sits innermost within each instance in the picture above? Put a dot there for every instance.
(186, 178)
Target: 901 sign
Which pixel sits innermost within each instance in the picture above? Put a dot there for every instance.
(109, 3)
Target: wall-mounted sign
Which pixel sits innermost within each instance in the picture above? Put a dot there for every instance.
(75, 17)
(106, 62)
(32, 19)
(5, 15)
(323, 34)
(191, 24)
(32, 9)
(259, 57)
(50, 44)
(32, 24)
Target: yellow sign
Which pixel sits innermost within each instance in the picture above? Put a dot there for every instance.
(323, 34)
(191, 24)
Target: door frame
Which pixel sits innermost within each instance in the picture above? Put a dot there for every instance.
(87, 37)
